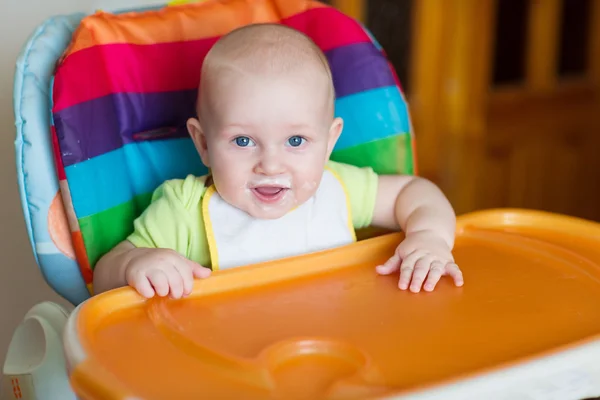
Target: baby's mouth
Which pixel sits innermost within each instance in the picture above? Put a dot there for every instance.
(270, 194)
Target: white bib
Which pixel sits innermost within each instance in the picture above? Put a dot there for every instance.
(235, 238)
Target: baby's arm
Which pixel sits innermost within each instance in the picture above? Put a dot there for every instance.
(421, 210)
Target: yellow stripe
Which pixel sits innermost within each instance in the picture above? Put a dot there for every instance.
(210, 236)
(348, 205)
(173, 3)
(179, 2)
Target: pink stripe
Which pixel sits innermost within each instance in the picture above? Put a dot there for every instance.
(101, 70)
(116, 68)
(328, 27)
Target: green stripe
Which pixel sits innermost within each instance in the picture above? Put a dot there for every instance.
(103, 231)
(392, 155)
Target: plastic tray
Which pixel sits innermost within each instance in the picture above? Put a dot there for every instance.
(326, 326)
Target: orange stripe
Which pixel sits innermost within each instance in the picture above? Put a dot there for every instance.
(82, 258)
(414, 155)
(211, 18)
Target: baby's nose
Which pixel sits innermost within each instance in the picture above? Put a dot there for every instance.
(270, 164)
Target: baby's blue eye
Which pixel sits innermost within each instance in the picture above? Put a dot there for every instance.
(243, 141)
(296, 141)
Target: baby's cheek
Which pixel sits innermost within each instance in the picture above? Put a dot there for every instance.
(309, 186)
(306, 189)
(230, 188)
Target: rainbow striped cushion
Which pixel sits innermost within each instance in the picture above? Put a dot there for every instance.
(127, 83)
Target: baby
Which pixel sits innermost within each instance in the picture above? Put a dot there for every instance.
(266, 129)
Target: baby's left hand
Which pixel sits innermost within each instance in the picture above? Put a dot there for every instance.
(425, 257)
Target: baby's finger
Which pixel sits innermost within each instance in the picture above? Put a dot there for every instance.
(196, 269)
(422, 267)
(390, 266)
(435, 273)
(201, 272)
(406, 271)
(143, 287)
(187, 277)
(454, 271)
(159, 281)
(175, 283)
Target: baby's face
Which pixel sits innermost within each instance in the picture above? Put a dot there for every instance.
(267, 140)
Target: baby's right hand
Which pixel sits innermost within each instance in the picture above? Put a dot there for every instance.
(162, 272)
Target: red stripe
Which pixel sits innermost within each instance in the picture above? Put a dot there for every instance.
(101, 70)
(60, 169)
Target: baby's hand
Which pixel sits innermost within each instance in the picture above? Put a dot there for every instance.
(422, 255)
(162, 272)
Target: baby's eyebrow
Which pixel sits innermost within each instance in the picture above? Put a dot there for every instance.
(236, 126)
(299, 126)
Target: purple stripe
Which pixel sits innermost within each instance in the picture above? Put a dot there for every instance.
(101, 125)
(359, 67)
(98, 126)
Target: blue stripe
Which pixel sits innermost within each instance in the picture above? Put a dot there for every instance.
(372, 115)
(117, 177)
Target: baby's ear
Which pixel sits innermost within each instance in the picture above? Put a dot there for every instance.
(199, 138)
(334, 133)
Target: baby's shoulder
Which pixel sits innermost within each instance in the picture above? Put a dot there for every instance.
(187, 191)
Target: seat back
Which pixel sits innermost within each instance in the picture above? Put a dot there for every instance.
(127, 83)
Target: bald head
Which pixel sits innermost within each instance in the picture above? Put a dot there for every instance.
(271, 50)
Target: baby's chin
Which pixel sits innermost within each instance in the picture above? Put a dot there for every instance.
(260, 210)
(268, 211)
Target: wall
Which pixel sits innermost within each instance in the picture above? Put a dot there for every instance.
(21, 284)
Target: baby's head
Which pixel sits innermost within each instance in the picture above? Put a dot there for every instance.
(266, 125)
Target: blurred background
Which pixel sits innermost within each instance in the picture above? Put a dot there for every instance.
(504, 97)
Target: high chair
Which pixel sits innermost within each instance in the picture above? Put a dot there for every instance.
(100, 105)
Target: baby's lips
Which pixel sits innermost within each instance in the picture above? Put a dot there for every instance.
(268, 190)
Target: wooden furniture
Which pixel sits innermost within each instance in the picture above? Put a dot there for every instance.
(505, 99)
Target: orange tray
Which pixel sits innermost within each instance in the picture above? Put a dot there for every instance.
(326, 326)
